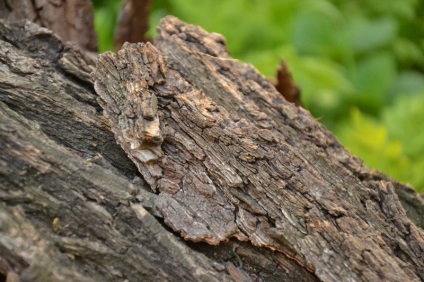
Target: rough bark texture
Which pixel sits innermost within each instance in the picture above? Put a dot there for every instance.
(223, 159)
(67, 212)
(71, 20)
(133, 22)
(230, 158)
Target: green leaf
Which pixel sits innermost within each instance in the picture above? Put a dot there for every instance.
(407, 83)
(369, 139)
(405, 120)
(372, 78)
(370, 35)
(311, 32)
(104, 23)
(408, 52)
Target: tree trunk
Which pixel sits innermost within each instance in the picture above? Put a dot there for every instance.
(218, 179)
(71, 20)
(133, 22)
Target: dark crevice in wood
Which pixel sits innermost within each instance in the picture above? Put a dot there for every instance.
(88, 86)
(259, 267)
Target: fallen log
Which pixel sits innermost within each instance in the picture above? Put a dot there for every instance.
(230, 181)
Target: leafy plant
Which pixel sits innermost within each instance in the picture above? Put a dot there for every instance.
(370, 138)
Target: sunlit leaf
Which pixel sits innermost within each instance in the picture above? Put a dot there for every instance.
(405, 121)
(369, 35)
(372, 78)
(408, 83)
(369, 139)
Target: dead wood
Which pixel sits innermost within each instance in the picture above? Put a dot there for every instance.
(230, 158)
(286, 86)
(68, 210)
(224, 159)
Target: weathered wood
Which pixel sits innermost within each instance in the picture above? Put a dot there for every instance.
(47, 85)
(86, 228)
(230, 158)
(48, 81)
(73, 206)
(68, 211)
(71, 20)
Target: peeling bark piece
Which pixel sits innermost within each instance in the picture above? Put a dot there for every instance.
(63, 217)
(77, 63)
(238, 160)
(286, 86)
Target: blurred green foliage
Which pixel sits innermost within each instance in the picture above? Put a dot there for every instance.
(105, 18)
(360, 64)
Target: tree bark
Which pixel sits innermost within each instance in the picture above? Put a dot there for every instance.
(133, 22)
(71, 20)
(219, 178)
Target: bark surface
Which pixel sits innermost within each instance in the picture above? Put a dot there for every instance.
(230, 158)
(234, 182)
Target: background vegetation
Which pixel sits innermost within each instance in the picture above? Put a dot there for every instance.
(360, 64)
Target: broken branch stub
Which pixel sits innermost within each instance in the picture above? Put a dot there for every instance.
(229, 157)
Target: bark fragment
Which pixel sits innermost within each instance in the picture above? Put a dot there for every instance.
(82, 222)
(68, 211)
(286, 86)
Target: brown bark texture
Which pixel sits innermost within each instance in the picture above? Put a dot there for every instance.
(230, 158)
(133, 22)
(71, 20)
(218, 179)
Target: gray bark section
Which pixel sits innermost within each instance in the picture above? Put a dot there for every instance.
(238, 161)
(74, 208)
(67, 212)
(81, 221)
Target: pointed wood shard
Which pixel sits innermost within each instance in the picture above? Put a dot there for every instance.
(286, 86)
